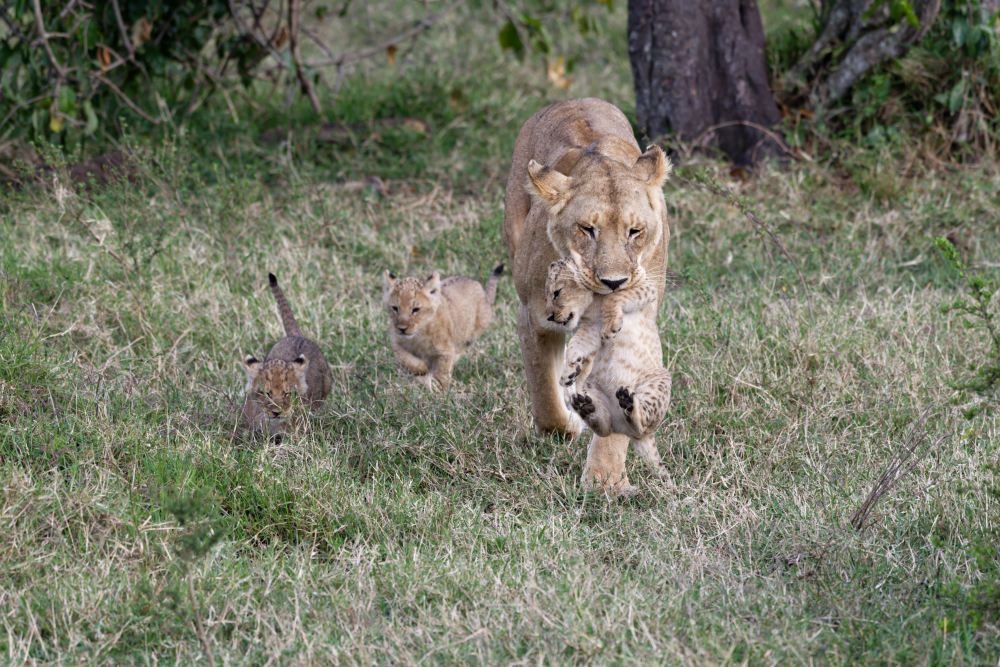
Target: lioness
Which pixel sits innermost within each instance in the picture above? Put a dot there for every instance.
(580, 187)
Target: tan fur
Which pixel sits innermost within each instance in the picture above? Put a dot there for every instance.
(614, 360)
(294, 367)
(432, 322)
(579, 187)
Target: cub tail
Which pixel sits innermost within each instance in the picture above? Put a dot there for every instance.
(491, 284)
(284, 310)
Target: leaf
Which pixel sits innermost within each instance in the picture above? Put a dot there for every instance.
(510, 39)
(556, 70)
(390, 54)
(88, 111)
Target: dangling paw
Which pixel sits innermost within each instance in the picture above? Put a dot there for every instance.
(626, 399)
(583, 405)
(571, 372)
(610, 328)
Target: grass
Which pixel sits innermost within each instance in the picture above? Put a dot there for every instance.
(407, 528)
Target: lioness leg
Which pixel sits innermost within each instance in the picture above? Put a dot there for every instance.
(605, 467)
(543, 359)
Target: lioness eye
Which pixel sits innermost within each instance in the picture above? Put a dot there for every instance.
(416, 310)
(588, 229)
(395, 309)
(634, 232)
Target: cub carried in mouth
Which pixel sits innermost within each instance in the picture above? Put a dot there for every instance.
(433, 321)
(294, 366)
(614, 358)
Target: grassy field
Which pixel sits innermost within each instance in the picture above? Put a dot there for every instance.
(405, 528)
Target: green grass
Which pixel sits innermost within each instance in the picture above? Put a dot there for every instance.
(402, 527)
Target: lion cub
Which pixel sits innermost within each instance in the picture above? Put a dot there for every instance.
(615, 352)
(432, 322)
(295, 365)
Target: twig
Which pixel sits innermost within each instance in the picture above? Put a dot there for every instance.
(902, 462)
(197, 624)
(43, 37)
(763, 229)
(293, 46)
(379, 48)
(124, 98)
(773, 136)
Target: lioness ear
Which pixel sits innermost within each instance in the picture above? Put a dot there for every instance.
(653, 167)
(252, 366)
(433, 282)
(550, 185)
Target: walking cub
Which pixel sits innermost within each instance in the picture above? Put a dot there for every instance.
(295, 365)
(432, 322)
(614, 358)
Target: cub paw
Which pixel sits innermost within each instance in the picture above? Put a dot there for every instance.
(583, 405)
(626, 399)
(572, 372)
(610, 329)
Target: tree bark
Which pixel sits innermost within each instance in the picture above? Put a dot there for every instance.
(700, 71)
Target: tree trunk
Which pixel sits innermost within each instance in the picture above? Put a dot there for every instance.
(700, 71)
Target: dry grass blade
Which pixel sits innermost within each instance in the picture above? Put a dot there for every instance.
(915, 447)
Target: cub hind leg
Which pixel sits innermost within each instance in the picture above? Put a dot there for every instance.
(646, 448)
(646, 405)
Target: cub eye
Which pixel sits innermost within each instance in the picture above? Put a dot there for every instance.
(555, 295)
(416, 310)
(634, 232)
(268, 394)
(395, 309)
(287, 394)
(588, 230)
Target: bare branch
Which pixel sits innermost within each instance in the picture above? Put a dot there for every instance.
(380, 48)
(293, 46)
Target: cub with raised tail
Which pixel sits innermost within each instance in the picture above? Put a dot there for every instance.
(295, 365)
(614, 358)
(433, 321)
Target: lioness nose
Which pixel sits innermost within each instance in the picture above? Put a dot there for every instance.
(613, 284)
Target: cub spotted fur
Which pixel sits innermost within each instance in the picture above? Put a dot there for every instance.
(295, 365)
(614, 357)
(432, 322)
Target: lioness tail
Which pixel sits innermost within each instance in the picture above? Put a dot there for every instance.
(284, 310)
(491, 284)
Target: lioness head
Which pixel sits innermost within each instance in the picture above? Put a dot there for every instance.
(607, 216)
(411, 302)
(271, 384)
(566, 298)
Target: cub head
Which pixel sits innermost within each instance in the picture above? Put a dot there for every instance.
(271, 383)
(608, 216)
(411, 302)
(565, 297)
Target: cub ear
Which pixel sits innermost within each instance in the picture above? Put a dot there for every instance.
(549, 185)
(433, 282)
(653, 167)
(251, 366)
(389, 277)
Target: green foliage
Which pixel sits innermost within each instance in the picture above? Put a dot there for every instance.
(71, 71)
(984, 374)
